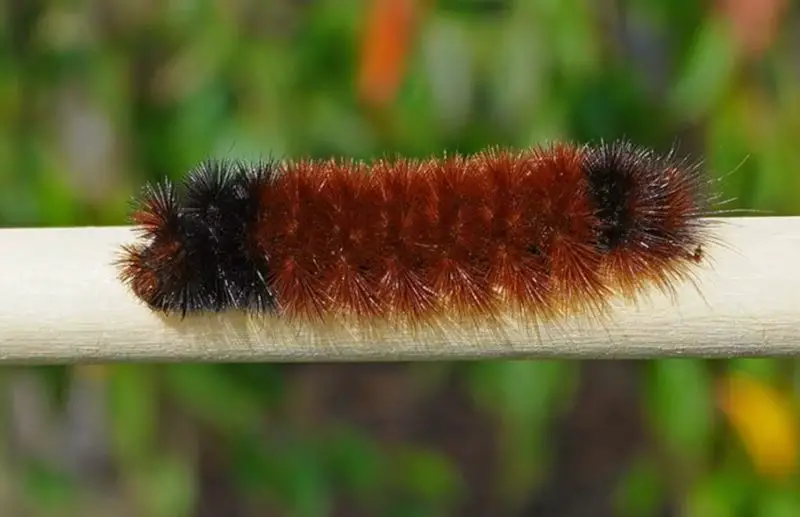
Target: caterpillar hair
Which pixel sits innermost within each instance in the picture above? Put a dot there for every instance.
(547, 232)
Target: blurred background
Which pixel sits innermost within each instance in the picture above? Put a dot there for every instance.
(97, 97)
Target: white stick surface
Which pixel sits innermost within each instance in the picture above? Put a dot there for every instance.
(61, 302)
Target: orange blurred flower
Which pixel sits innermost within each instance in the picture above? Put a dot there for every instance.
(389, 29)
(755, 22)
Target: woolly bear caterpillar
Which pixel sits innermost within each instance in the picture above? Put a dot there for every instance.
(548, 231)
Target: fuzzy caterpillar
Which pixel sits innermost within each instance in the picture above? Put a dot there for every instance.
(549, 231)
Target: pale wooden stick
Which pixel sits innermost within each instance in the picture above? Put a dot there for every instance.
(61, 302)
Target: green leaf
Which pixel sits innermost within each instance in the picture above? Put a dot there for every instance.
(355, 462)
(641, 491)
(213, 396)
(707, 73)
(428, 476)
(765, 369)
(524, 392)
(722, 494)
(735, 137)
(289, 474)
(780, 502)
(524, 395)
(49, 489)
(167, 487)
(132, 411)
(682, 408)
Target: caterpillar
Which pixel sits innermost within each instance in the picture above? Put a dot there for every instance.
(549, 231)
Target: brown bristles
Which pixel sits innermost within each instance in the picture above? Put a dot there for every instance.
(544, 233)
(296, 217)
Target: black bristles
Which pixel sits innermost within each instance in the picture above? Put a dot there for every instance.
(633, 190)
(202, 254)
(611, 171)
(156, 212)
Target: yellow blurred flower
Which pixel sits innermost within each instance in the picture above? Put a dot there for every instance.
(766, 422)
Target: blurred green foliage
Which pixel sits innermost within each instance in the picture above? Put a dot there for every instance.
(98, 97)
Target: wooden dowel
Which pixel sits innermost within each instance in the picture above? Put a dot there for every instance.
(61, 302)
